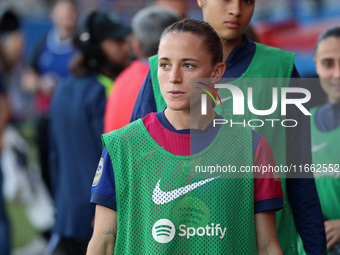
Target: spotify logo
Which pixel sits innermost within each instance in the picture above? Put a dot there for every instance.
(163, 231)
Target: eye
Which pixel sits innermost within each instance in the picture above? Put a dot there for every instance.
(249, 1)
(164, 65)
(188, 66)
(327, 63)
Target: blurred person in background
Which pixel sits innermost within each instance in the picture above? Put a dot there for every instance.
(246, 59)
(77, 113)
(48, 65)
(179, 6)
(12, 64)
(325, 131)
(9, 22)
(147, 25)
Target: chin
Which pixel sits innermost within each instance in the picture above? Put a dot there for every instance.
(178, 107)
(227, 36)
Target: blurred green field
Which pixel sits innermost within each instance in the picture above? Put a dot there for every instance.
(22, 231)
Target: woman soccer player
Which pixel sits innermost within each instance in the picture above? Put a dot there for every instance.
(148, 201)
(325, 131)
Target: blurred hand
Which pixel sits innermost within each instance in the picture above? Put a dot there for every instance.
(332, 228)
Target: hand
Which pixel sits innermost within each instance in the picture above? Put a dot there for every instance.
(332, 228)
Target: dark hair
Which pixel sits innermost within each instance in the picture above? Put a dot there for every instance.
(9, 21)
(331, 32)
(148, 24)
(203, 30)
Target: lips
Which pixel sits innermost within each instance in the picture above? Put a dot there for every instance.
(175, 93)
(232, 24)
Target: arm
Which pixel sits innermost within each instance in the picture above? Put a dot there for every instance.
(301, 192)
(266, 239)
(268, 198)
(104, 233)
(104, 196)
(267, 186)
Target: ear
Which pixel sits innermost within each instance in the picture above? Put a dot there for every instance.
(201, 3)
(219, 71)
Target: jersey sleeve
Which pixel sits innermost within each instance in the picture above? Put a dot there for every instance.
(103, 187)
(268, 190)
(307, 215)
(145, 102)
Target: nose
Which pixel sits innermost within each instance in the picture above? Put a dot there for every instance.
(175, 76)
(235, 7)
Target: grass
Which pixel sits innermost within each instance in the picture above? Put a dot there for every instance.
(22, 232)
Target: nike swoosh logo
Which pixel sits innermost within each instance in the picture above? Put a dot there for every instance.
(223, 100)
(318, 147)
(160, 197)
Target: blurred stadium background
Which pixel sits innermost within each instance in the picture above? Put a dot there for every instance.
(293, 25)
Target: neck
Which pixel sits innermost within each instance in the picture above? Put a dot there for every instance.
(334, 101)
(228, 46)
(189, 120)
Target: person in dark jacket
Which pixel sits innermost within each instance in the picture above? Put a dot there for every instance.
(76, 125)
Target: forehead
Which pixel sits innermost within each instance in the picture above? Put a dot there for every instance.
(226, 3)
(180, 41)
(64, 5)
(182, 36)
(329, 48)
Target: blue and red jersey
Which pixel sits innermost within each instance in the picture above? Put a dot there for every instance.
(268, 191)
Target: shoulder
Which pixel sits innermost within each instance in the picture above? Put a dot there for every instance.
(272, 50)
(274, 54)
(273, 62)
(134, 128)
(124, 132)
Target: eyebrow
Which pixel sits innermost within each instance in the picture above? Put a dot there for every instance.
(327, 59)
(182, 60)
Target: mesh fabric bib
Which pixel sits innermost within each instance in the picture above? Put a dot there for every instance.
(162, 209)
(325, 150)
